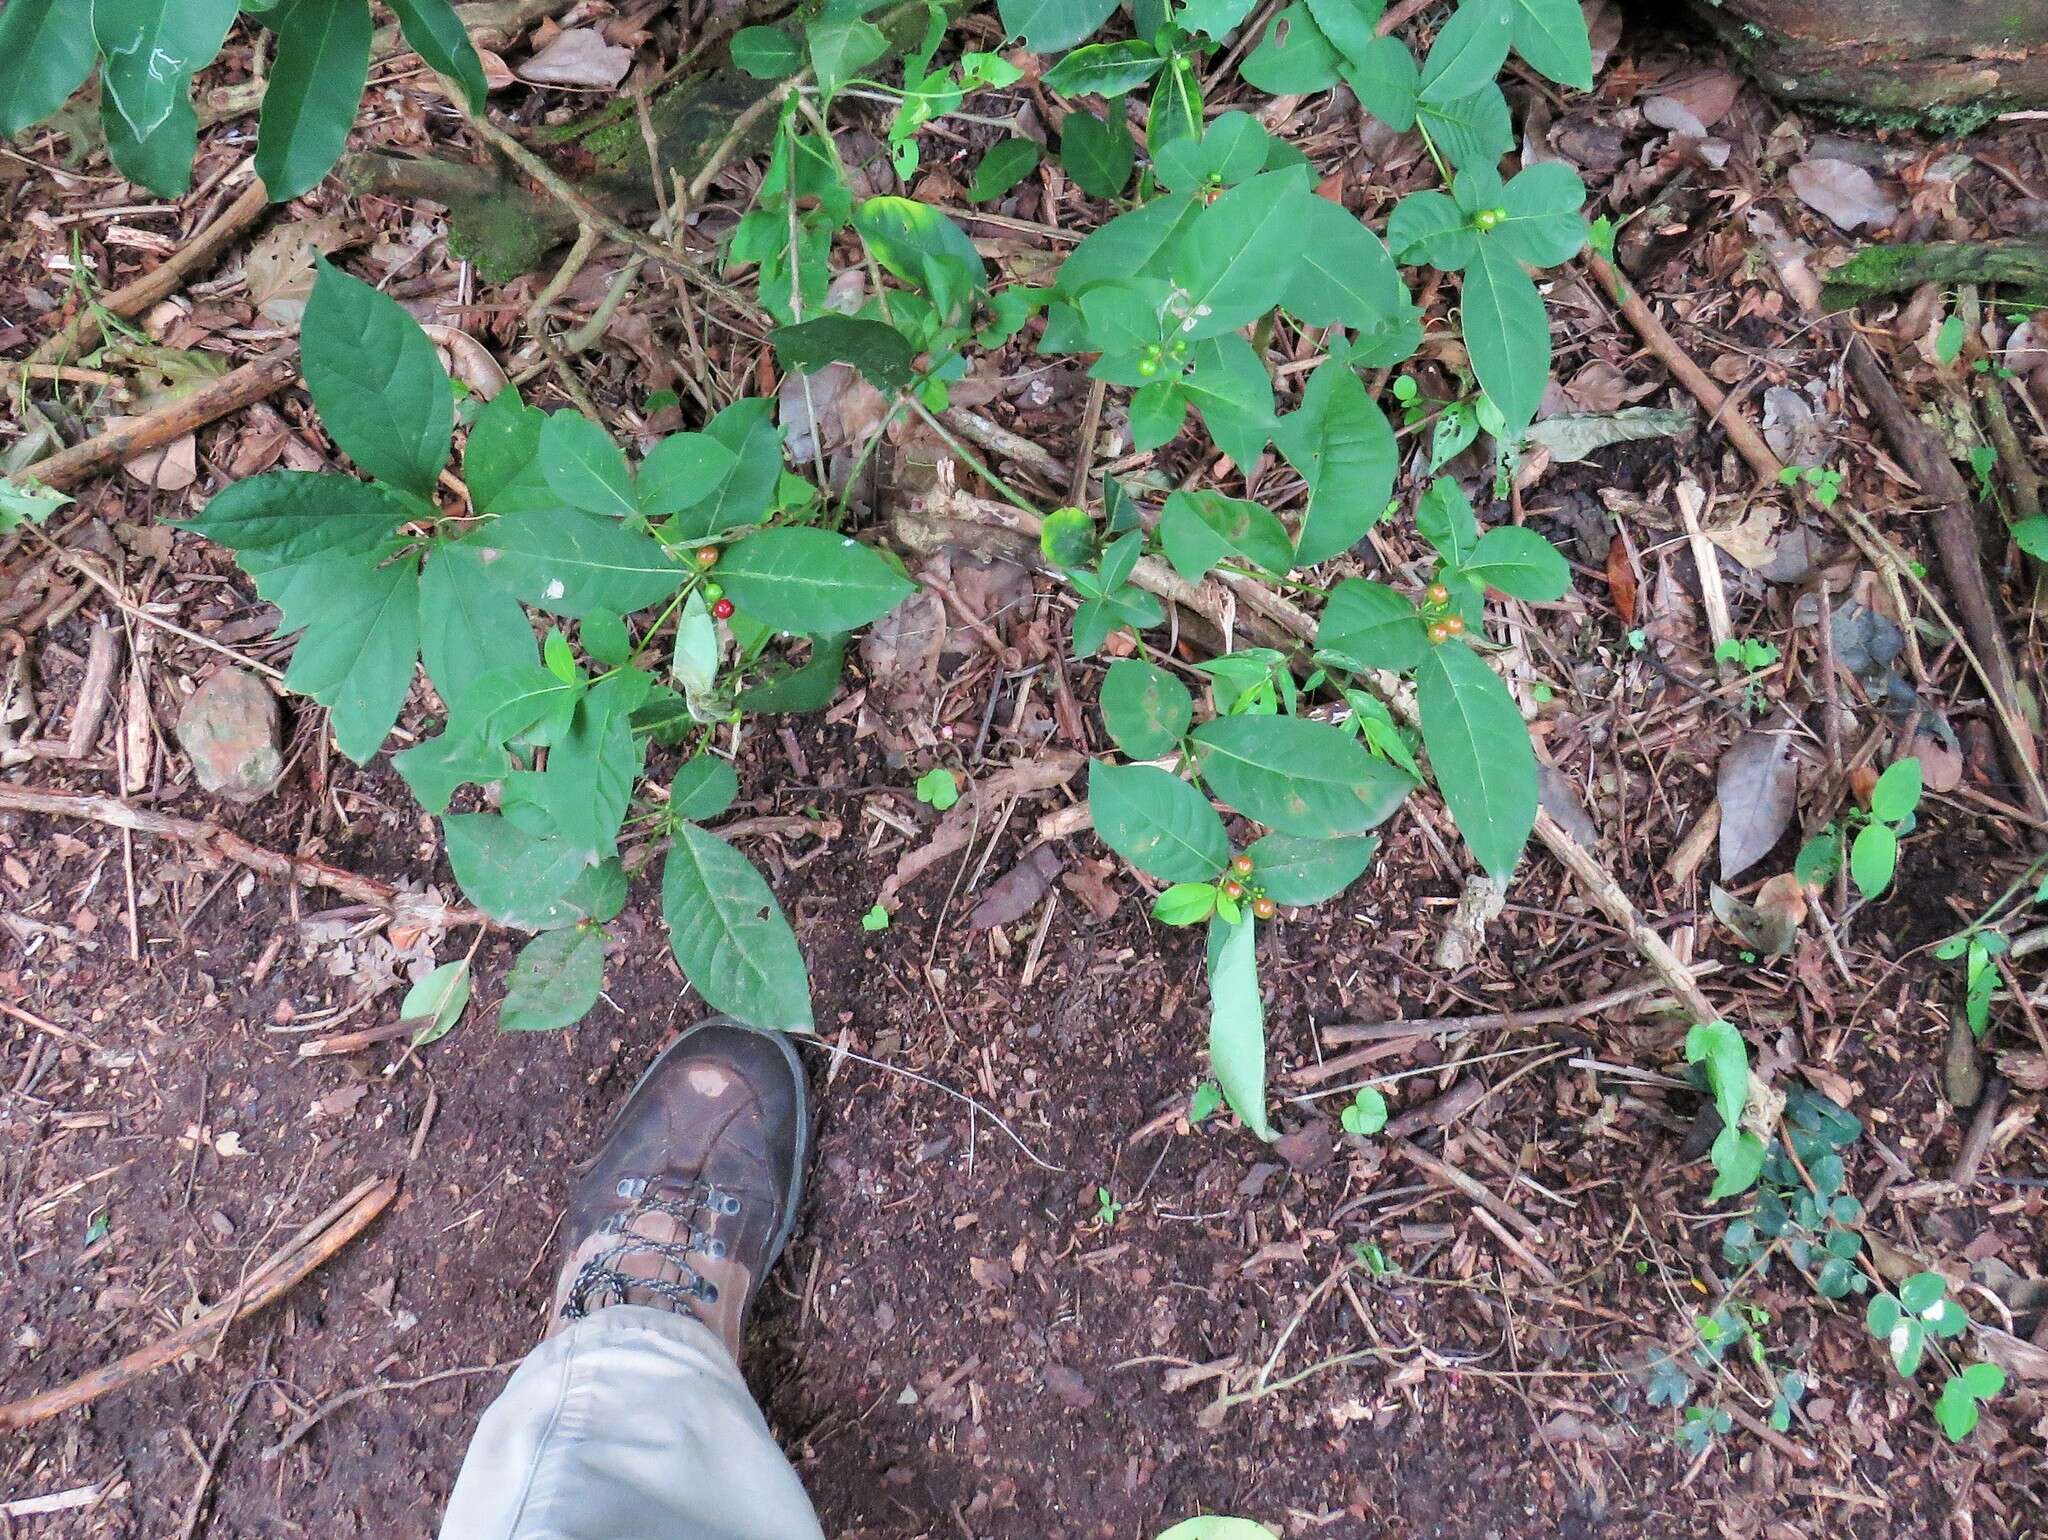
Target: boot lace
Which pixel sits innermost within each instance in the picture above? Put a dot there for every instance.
(601, 1281)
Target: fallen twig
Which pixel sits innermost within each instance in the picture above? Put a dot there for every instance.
(300, 1256)
(333, 1404)
(412, 908)
(244, 387)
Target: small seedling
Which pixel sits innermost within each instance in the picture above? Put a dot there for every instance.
(1746, 652)
(1873, 849)
(1203, 1104)
(1825, 485)
(1107, 1209)
(876, 918)
(938, 789)
(1366, 1115)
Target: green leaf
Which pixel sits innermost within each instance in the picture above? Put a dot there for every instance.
(555, 981)
(841, 44)
(1157, 413)
(877, 918)
(747, 430)
(1366, 1115)
(1444, 517)
(704, 787)
(1240, 253)
(1344, 449)
(1048, 26)
(160, 160)
(938, 788)
(1137, 244)
(1157, 822)
(1738, 1156)
(806, 688)
(1543, 225)
(1212, 18)
(1479, 751)
(1351, 27)
(766, 53)
(1472, 131)
(1008, 162)
(1983, 1380)
(1234, 393)
(1369, 625)
(1292, 870)
(1097, 155)
(377, 381)
(1237, 1022)
(152, 48)
(2031, 536)
(315, 85)
(513, 876)
(1297, 776)
(1956, 1410)
(469, 625)
(922, 246)
(501, 459)
(1294, 57)
(571, 562)
(592, 769)
(1185, 903)
(1519, 562)
(1469, 50)
(1897, 792)
(1507, 332)
(1146, 709)
(1104, 69)
(48, 56)
(585, 468)
(605, 637)
(435, 32)
(287, 517)
(1874, 858)
(880, 352)
(806, 581)
(28, 501)
(359, 622)
(729, 936)
(1551, 35)
(437, 1002)
(1428, 227)
(1922, 1292)
(1200, 529)
(1346, 277)
(1232, 149)
(679, 472)
(1175, 111)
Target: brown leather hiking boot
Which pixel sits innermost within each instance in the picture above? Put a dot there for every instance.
(694, 1192)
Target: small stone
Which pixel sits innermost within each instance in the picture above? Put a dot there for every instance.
(230, 729)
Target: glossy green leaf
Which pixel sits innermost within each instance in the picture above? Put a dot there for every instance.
(1157, 822)
(1479, 752)
(1551, 35)
(1146, 709)
(571, 562)
(379, 384)
(513, 876)
(1519, 562)
(1444, 517)
(469, 625)
(1292, 870)
(1345, 276)
(160, 160)
(1096, 154)
(1239, 254)
(1469, 49)
(679, 472)
(151, 50)
(1344, 448)
(1297, 776)
(1175, 111)
(1472, 131)
(729, 936)
(555, 980)
(1368, 625)
(805, 581)
(882, 354)
(1237, 1023)
(1507, 333)
(922, 246)
(1185, 903)
(1047, 26)
(435, 32)
(1897, 792)
(766, 53)
(1874, 858)
(315, 85)
(1293, 58)
(585, 468)
(1104, 69)
(1234, 393)
(1200, 529)
(704, 787)
(48, 53)
(1008, 162)
(437, 1002)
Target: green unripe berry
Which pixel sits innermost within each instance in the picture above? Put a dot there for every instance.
(1486, 219)
(1148, 367)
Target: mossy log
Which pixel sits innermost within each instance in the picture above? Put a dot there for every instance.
(1949, 66)
(2019, 265)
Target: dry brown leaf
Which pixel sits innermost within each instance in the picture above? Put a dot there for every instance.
(1758, 783)
(1621, 580)
(579, 57)
(1844, 192)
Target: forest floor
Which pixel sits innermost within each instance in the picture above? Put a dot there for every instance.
(1028, 1297)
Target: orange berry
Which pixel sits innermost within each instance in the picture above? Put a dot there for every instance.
(1438, 594)
(1241, 864)
(1264, 907)
(1439, 632)
(707, 555)
(1231, 888)
(1454, 625)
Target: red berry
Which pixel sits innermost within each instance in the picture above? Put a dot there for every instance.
(722, 609)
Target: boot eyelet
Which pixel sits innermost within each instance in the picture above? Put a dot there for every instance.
(715, 1249)
(632, 1186)
(728, 1204)
(708, 1292)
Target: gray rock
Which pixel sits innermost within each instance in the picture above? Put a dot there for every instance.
(230, 728)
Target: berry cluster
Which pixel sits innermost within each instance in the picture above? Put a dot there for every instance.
(1444, 622)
